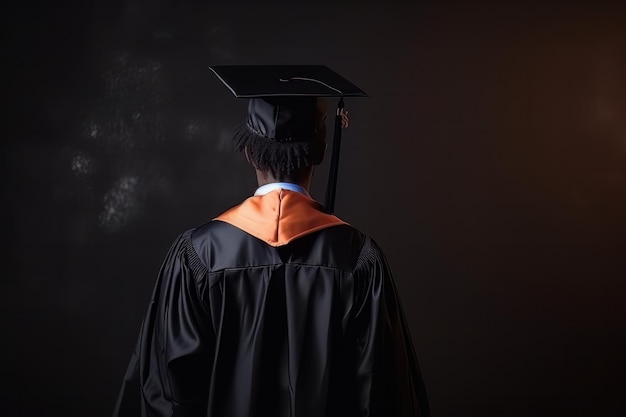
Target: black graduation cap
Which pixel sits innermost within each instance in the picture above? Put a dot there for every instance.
(275, 113)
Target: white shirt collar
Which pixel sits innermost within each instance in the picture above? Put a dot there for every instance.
(268, 188)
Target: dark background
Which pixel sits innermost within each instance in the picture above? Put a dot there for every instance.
(489, 163)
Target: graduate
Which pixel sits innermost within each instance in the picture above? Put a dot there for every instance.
(276, 307)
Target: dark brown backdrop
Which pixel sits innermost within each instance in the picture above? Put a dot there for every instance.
(489, 163)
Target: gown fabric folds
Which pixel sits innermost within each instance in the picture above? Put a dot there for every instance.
(298, 320)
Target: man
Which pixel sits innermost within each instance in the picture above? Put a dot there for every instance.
(276, 308)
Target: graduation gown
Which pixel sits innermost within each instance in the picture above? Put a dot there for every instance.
(274, 309)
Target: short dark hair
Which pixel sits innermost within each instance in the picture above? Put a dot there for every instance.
(283, 159)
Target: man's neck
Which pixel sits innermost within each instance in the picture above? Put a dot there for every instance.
(264, 178)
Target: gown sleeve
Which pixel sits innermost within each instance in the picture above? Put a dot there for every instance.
(389, 380)
(170, 369)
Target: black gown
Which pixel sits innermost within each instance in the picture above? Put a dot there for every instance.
(274, 309)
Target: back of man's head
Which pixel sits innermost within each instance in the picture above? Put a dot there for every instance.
(284, 136)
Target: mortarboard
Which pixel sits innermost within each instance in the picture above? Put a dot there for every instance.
(278, 107)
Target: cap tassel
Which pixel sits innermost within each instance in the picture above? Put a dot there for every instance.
(341, 120)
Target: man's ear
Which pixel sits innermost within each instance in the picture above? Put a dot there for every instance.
(318, 151)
